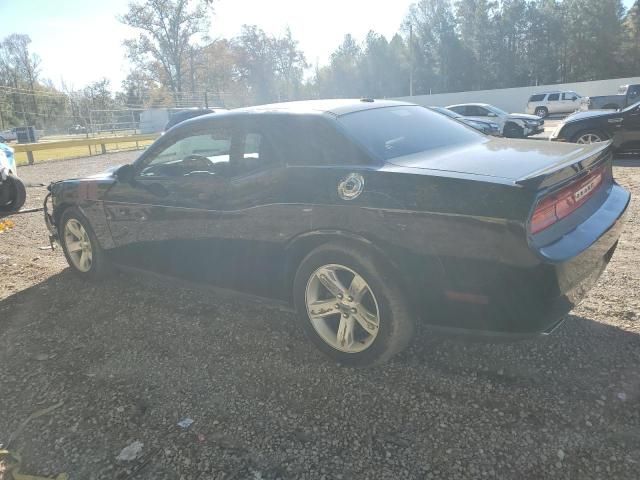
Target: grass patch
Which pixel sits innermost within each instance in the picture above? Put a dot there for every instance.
(79, 151)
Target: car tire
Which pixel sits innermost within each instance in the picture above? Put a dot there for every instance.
(78, 239)
(511, 130)
(13, 196)
(586, 137)
(541, 112)
(341, 333)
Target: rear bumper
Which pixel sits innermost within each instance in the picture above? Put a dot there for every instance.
(499, 300)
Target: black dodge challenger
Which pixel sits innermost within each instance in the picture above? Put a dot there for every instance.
(370, 217)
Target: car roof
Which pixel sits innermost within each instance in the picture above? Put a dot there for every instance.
(335, 107)
(470, 105)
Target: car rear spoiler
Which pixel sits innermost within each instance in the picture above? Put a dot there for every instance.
(564, 172)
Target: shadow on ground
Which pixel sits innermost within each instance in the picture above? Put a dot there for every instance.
(131, 356)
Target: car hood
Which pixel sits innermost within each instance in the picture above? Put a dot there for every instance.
(589, 114)
(500, 158)
(524, 116)
(109, 172)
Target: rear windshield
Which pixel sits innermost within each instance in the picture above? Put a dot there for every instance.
(536, 98)
(393, 132)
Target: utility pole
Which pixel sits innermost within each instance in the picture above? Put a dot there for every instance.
(411, 60)
(193, 76)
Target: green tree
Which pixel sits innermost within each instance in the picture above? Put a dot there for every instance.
(168, 31)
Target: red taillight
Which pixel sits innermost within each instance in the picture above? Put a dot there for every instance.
(561, 204)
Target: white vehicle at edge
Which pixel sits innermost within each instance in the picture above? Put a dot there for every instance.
(512, 125)
(549, 103)
(12, 190)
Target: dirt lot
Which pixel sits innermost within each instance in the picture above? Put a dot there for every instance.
(130, 357)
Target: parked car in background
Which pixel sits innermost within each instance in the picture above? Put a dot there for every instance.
(12, 191)
(486, 127)
(627, 95)
(368, 216)
(76, 129)
(512, 125)
(8, 136)
(621, 127)
(549, 103)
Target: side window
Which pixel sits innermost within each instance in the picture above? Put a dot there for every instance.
(569, 96)
(554, 97)
(315, 142)
(257, 153)
(459, 110)
(205, 152)
(476, 111)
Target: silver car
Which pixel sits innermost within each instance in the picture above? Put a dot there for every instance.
(512, 125)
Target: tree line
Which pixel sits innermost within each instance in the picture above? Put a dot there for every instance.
(441, 46)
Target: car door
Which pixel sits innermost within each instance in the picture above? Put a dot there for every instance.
(178, 186)
(553, 103)
(630, 131)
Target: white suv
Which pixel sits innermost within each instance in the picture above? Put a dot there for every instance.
(543, 104)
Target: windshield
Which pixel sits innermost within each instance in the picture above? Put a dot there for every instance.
(497, 110)
(404, 130)
(448, 113)
(632, 107)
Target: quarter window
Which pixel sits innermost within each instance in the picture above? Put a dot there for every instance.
(536, 98)
(476, 111)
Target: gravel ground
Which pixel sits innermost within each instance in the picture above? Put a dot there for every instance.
(130, 357)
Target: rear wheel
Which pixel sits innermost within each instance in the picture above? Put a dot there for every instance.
(541, 112)
(13, 194)
(351, 307)
(589, 136)
(80, 245)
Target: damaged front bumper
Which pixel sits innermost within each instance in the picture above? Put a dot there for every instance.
(49, 220)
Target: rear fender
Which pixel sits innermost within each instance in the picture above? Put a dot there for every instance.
(300, 246)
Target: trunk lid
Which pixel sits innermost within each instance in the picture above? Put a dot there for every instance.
(533, 164)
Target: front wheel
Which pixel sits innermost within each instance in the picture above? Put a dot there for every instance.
(80, 245)
(511, 130)
(351, 306)
(589, 136)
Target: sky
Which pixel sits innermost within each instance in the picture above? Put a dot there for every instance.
(80, 41)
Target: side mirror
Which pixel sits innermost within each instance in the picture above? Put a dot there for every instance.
(125, 173)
